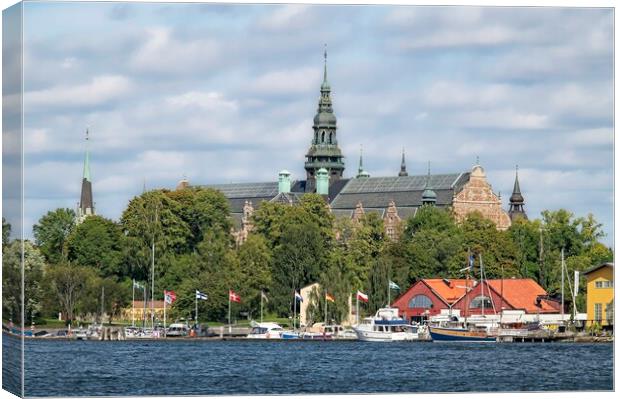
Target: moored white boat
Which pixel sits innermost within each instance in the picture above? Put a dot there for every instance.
(386, 326)
(266, 331)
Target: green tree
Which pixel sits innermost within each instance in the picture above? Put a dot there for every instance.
(378, 285)
(6, 231)
(97, 242)
(68, 283)
(255, 270)
(51, 233)
(365, 247)
(33, 266)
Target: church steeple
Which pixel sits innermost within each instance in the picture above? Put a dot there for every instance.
(403, 166)
(429, 197)
(86, 197)
(516, 200)
(324, 151)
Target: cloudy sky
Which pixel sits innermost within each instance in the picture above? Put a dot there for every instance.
(223, 93)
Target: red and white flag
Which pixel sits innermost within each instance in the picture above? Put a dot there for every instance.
(362, 297)
(169, 297)
(233, 297)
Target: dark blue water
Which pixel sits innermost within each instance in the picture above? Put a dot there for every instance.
(65, 368)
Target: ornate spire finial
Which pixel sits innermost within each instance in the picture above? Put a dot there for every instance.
(361, 167)
(477, 160)
(403, 165)
(428, 176)
(325, 63)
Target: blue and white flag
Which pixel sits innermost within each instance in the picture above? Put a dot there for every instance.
(298, 296)
(471, 264)
(137, 285)
(200, 295)
(394, 286)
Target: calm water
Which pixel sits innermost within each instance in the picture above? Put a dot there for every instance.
(64, 368)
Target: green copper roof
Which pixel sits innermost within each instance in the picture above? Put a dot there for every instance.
(86, 173)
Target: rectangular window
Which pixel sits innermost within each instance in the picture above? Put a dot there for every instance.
(598, 284)
(598, 312)
(609, 313)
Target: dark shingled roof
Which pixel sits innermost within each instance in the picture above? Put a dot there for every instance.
(375, 193)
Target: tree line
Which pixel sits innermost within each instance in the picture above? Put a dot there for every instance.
(69, 263)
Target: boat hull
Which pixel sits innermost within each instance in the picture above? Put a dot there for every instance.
(383, 336)
(439, 334)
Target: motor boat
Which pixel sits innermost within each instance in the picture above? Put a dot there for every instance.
(266, 331)
(386, 326)
(177, 330)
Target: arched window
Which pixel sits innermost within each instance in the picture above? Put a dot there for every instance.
(323, 137)
(330, 137)
(420, 301)
(477, 302)
(316, 137)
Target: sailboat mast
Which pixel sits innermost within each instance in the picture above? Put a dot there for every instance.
(562, 306)
(482, 282)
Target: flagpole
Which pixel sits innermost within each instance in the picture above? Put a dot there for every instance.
(294, 308)
(389, 292)
(165, 314)
(196, 310)
(325, 308)
(261, 306)
(229, 326)
(133, 306)
(357, 309)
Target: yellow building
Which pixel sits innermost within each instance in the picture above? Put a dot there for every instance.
(600, 295)
(138, 310)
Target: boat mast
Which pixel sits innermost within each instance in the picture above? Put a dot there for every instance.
(562, 290)
(482, 282)
(102, 298)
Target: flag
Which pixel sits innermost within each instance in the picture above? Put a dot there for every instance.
(233, 297)
(361, 296)
(393, 286)
(200, 295)
(137, 285)
(169, 297)
(329, 298)
(264, 296)
(470, 265)
(298, 296)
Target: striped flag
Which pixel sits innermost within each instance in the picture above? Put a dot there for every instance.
(201, 295)
(264, 296)
(330, 298)
(233, 296)
(137, 285)
(394, 286)
(169, 297)
(361, 296)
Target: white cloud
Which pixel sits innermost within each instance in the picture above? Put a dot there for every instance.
(162, 53)
(209, 101)
(99, 90)
(288, 17)
(295, 81)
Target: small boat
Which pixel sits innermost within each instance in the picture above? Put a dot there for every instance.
(460, 334)
(290, 334)
(266, 331)
(177, 330)
(386, 326)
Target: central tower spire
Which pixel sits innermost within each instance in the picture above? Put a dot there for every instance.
(324, 151)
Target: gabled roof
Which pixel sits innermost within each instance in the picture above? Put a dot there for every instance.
(450, 290)
(595, 268)
(521, 293)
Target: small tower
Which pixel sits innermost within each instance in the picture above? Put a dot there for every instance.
(516, 200)
(360, 170)
(86, 207)
(284, 181)
(429, 197)
(403, 166)
(322, 182)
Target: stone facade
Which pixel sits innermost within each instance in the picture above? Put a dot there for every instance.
(391, 222)
(477, 195)
(247, 225)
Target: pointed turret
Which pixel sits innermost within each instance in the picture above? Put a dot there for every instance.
(86, 198)
(516, 200)
(360, 170)
(324, 151)
(429, 197)
(403, 166)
